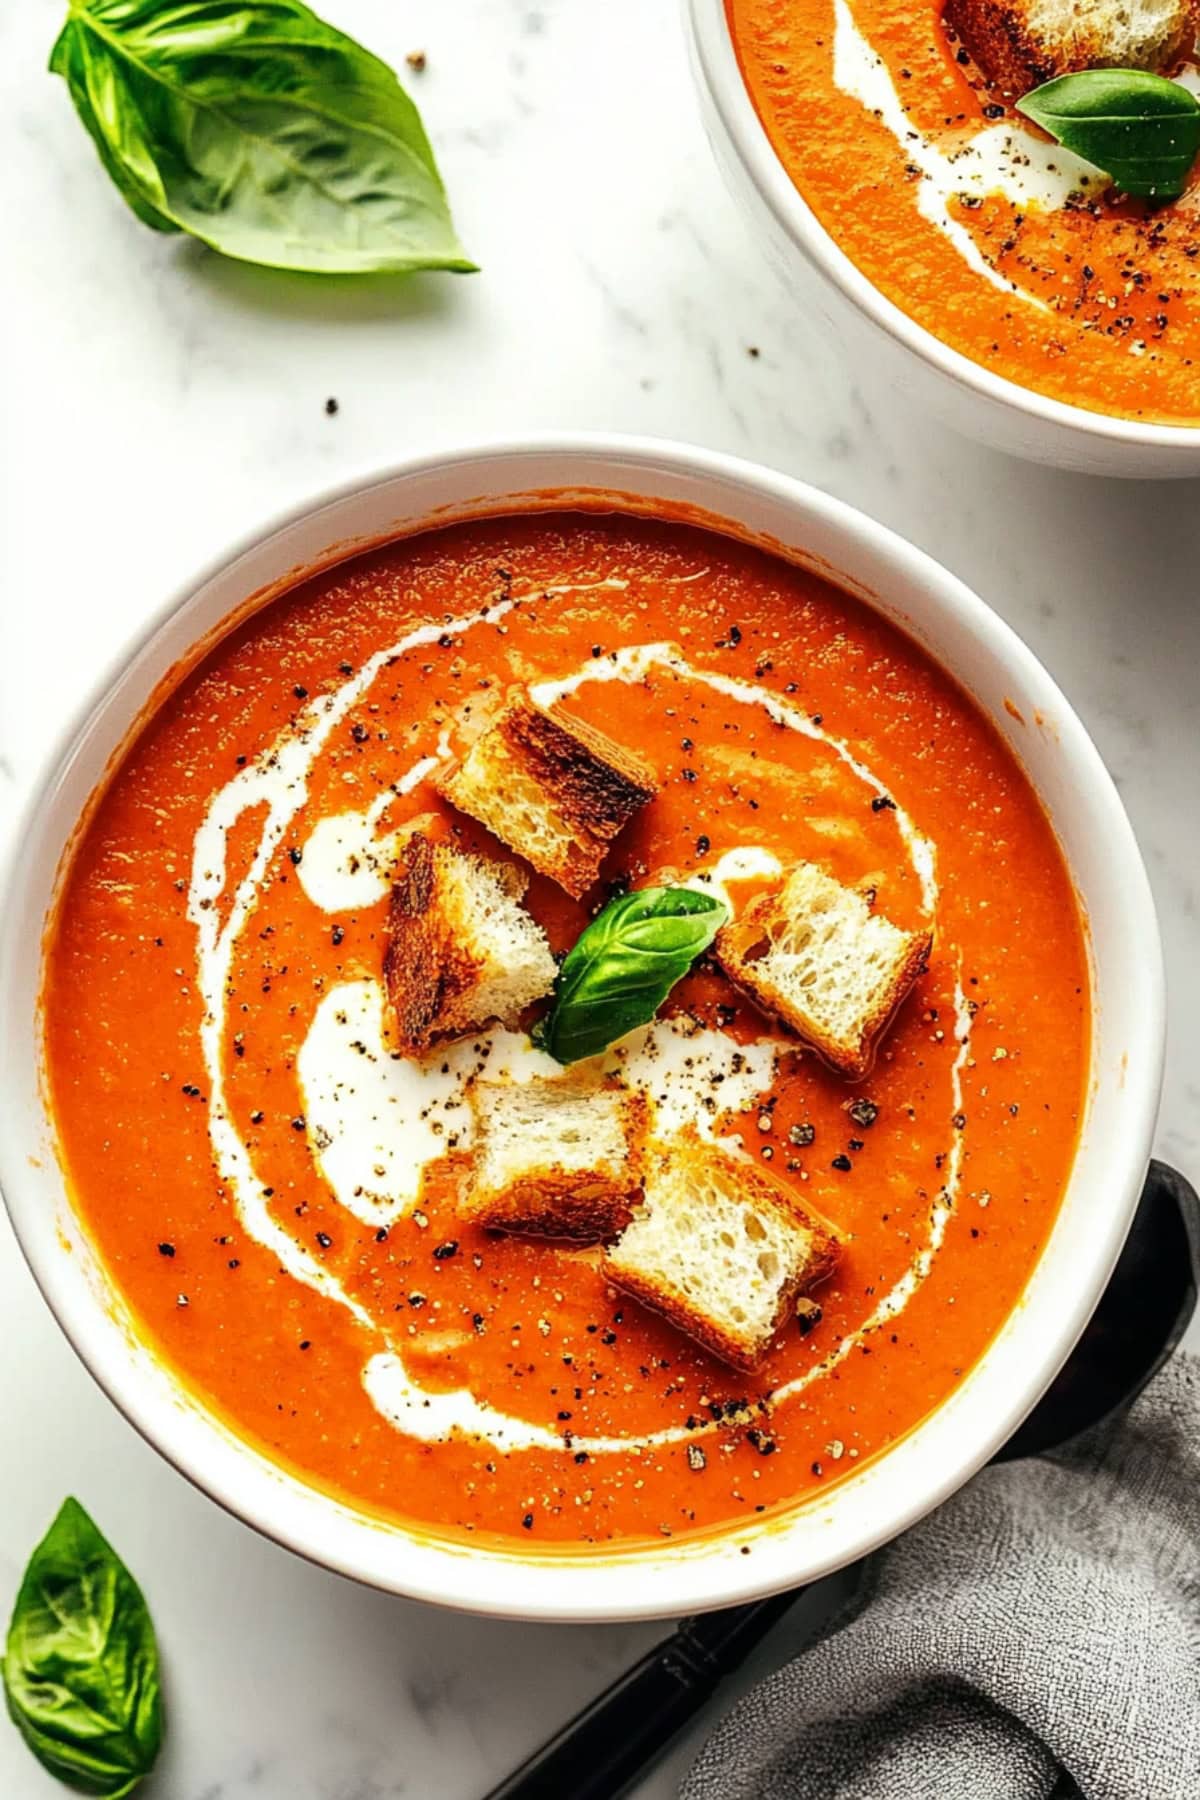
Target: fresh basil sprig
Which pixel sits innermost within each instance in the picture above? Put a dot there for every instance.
(624, 965)
(259, 129)
(1141, 129)
(81, 1662)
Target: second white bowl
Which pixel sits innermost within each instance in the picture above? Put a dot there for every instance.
(896, 351)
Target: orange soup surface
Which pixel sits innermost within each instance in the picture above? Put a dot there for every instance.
(273, 1186)
(967, 217)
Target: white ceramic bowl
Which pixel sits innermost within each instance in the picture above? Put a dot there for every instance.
(894, 348)
(883, 1497)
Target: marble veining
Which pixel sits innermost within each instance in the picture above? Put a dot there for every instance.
(156, 401)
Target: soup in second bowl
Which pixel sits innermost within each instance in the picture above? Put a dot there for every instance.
(958, 209)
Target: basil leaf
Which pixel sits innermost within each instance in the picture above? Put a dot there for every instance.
(81, 1662)
(260, 130)
(624, 965)
(1141, 129)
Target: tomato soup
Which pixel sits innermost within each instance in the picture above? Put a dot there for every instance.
(272, 1185)
(998, 241)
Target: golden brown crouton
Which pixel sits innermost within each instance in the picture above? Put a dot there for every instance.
(559, 1157)
(1018, 44)
(720, 1247)
(815, 955)
(461, 949)
(552, 788)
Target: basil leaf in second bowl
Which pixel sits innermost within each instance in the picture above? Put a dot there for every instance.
(81, 1662)
(1141, 129)
(624, 965)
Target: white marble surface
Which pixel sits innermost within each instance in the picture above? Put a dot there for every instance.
(155, 401)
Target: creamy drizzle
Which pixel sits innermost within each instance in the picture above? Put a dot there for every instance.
(346, 863)
(376, 1120)
(747, 863)
(279, 780)
(1000, 159)
(371, 1114)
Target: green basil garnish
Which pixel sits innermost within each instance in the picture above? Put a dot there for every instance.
(81, 1662)
(260, 130)
(624, 965)
(1140, 129)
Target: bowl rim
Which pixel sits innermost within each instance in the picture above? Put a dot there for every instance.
(690, 1575)
(714, 57)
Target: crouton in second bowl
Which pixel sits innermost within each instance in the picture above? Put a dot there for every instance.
(947, 1236)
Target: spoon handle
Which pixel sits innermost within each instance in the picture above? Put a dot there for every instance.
(1127, 1340)
(610, 1743)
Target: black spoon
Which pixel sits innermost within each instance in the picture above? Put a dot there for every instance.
(1139, 1322)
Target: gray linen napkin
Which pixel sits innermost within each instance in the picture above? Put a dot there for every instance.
(1037, 1636)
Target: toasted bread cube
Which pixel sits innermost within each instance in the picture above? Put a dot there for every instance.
(1018, 44)
(552, 788)
(719, 1246)
(815, 956)
(461, 949)
(558, 1157)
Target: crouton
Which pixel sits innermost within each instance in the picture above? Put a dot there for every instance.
(461, 949)
(815, 956)
(1018, 44)
(552, 788)
(719, 1246)
(560, 1158)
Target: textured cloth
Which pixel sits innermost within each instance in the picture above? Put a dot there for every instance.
(1038, 1636)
